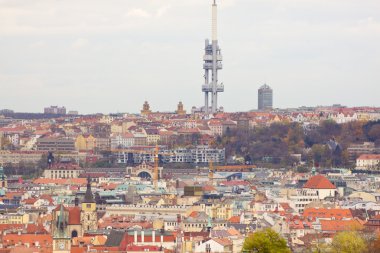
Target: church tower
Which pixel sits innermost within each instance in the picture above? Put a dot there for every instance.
(146, 109)
(60, 233)
(180, 110)
(89, 217)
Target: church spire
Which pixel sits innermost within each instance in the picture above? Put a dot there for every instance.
(88, 197)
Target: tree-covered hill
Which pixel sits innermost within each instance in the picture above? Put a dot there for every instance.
(326, 144)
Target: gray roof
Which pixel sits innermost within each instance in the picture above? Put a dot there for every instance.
(115, 238)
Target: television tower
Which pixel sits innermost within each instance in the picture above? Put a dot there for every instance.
(212, 64)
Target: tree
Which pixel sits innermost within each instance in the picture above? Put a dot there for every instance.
(370, 130)
(348, 242)
(317, 152)
(265, 241)
(374, 133)
(330, 128)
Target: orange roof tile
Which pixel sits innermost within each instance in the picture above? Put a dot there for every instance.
(76, 249)
(13, 239)
(319, 182)
(340, 225)
(234, 219)
(223, 241)
(194, 214)
(69, 181)
(327, 213)
(74, 216)
(369, 157)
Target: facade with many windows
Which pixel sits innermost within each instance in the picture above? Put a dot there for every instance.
(200, 154)
(56, 144)
(56, 173)
(265, 99)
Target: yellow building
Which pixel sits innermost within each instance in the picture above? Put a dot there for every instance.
(85, 142)
(152, 136)
(221, 210)
(116, 128)
(15, 218)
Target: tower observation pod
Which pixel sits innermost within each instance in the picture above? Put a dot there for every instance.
(212, 64)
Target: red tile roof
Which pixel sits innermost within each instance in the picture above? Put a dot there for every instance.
(13, 239)
(285, 206)
(194, 214)
(35, 229)
(69, 181)
(340, 225)
(319, 182)
(338, 214)
(369, 157)
(76, 249)
(74, 216)
(234, 219)
(5, 227)
(208, 188)
(222, 241)
(133, 248)
(30, 201)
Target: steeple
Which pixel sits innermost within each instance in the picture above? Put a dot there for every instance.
(61, 222)
(88, 215)
(60, 230)
(88, 197)
(61, 218)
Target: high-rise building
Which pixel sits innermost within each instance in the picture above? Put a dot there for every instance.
(265, 97)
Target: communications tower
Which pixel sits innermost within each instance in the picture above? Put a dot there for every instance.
(212, 64)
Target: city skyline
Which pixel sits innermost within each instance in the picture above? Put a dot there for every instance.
(60, 54)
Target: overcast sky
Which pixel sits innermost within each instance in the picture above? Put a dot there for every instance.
(112, 55)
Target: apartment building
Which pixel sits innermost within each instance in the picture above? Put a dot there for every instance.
(368, 161)
(16, 157)
(63, 171)
(56, 144)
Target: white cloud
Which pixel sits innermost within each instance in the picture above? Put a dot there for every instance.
(138, 13)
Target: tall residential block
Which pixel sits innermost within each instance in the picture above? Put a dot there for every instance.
(265, 98)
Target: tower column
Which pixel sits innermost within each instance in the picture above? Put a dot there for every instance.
(206, 102)
(214, 98)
